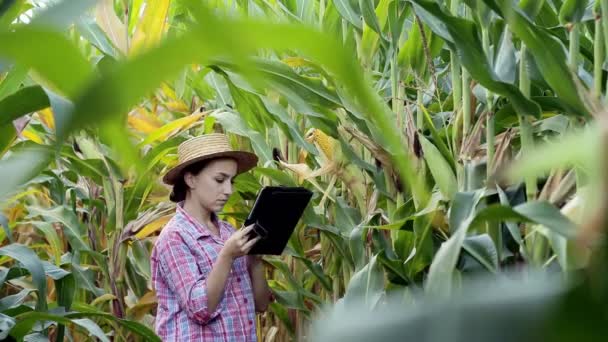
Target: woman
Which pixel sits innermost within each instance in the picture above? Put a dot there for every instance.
(208, 288)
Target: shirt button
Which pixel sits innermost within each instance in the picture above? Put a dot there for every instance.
(246, 300)
(238, 279)
(250, 322)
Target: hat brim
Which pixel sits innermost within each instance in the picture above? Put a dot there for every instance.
(245, 162)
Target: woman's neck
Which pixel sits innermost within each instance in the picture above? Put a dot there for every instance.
(203, 216)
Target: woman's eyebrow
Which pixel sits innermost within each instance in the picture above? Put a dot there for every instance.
(226, 175)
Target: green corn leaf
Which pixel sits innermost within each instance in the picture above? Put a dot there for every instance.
(462, 38)
(32, 263)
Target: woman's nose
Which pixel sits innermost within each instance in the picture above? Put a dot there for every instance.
(228, 188)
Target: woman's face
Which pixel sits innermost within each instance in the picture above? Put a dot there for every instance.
(212, 187)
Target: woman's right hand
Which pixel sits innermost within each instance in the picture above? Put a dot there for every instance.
(238, 245)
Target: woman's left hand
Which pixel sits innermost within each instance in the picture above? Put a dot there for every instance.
(262, 293)
(254, 261)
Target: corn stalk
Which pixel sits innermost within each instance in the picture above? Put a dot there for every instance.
(598, 50)
(604, 24)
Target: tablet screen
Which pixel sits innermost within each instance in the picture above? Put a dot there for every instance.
(276, 212)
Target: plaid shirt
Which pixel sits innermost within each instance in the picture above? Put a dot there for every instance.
(181, 260)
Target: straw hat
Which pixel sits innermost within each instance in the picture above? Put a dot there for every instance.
(208, 146)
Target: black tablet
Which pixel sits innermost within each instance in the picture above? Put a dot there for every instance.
(276, 212)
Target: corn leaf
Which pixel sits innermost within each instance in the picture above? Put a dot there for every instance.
(462, 37)
(113, 27)
(33, 264)
(151, 26)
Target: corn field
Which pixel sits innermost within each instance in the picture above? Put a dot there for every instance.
(456, 151)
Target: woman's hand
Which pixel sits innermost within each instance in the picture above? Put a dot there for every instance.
(237, 245)
(261, 292)
(254, 261)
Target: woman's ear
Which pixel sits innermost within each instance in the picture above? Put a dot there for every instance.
(189, 180)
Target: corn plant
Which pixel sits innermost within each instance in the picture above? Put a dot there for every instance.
(403, 117)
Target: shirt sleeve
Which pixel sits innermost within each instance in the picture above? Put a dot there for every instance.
(187, 279)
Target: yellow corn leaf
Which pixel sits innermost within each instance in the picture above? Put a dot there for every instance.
(172, 127)
(47, 118)
(158, 197)
(111, 24)
(295, 62)
(148, 298)
(232, 221)
(15, 213)
(103, 298)
(151, 25)
(4, 259)
(41, 196)
(33, 136)
(153, 227)
(302, 156)
(177, 106)
(271, 335)
(170, 160)
(169, 93)
(141, 125)
(146, 303)
(145, 114)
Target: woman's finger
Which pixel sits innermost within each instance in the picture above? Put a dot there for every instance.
(244, 238)
(246, 230)
(250, 244)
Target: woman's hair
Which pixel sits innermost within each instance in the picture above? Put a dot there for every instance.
(180, 188)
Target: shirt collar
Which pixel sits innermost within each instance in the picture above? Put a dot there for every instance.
(198, 229)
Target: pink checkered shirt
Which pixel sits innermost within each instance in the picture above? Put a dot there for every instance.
(183, 256)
